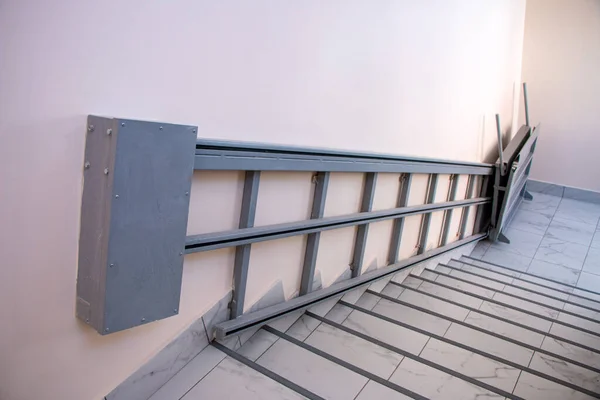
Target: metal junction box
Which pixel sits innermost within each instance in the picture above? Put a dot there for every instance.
(136, 193)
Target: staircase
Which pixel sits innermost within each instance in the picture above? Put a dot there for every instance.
(466, 330)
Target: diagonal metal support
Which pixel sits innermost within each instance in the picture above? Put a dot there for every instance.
(448, 213)
(426, 220)
(360, 240)
(480, 213)
(403, 194)
(527, 196)
(321, 180)
(242, 253)
(466, 210)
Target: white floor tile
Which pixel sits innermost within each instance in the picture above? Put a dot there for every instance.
(592, 261)
(554, 272)
(450, 294)
(525, 305)
(532, 286)
(510, 260)
(387, 332)
(472, 365)
(566, 371)
(504, 328)
(437, 385)
(571, 231)
(516, 316)
(590, 282)
(534, 297)
(317, 374)
(576, 336)
(490, 344)
(579, 322)
(572, 352)
(492, 268)
(189, 375)
(521, 242)
(233, 380)
(449, 281)
(529, 221)
(374, 390)
(533, 387)
(417, 318)
(542, 203)
(560, 252)
(359, 352)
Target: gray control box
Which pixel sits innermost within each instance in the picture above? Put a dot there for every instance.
(134, 212)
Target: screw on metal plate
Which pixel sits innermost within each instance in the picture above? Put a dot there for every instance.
(91, 128)
(175, 310)
(111, 265)
(116, 196)
(160, 127)
(187, 193)
(109, 132)
(105, 329)
(143, 319)
(122, 123)
(86, 165)
(193, 131)
(105, 171)
(181, 253)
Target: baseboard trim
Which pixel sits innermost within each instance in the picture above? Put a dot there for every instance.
(566, 192)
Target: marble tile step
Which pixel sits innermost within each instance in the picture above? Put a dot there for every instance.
(481, 373)
(488, 289)
(530, 282)
(483, 357)
(501, 299)
(322, 372)
(510, 324)
(522, 274)
(500, 338)
(236, 377)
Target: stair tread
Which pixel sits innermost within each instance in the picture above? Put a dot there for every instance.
(317, 374)
(232, 379)
(524, 273)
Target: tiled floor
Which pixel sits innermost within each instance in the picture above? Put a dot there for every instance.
(553, 237)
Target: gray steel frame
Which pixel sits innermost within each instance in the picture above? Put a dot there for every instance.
(510, 190)
(219, 155)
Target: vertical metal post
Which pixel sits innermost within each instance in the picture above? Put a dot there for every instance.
(482, 193)
(426, 220)
(466, 210)
(242, 253)
(403, 193)
(526, 104)
(448, 213)
(321, 180)
(500, 144)
(361, 231)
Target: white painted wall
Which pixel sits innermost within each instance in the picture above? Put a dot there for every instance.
(561, 60)
(398, 76)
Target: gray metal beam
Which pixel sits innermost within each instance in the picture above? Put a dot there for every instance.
(312, 241)
(242, 159)
(219, 240)
(403, 194)
(448, 213)
(227, 148)
(261, 317)
(426, 220)
(466, 210)
(360, 241)
(242, 252)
